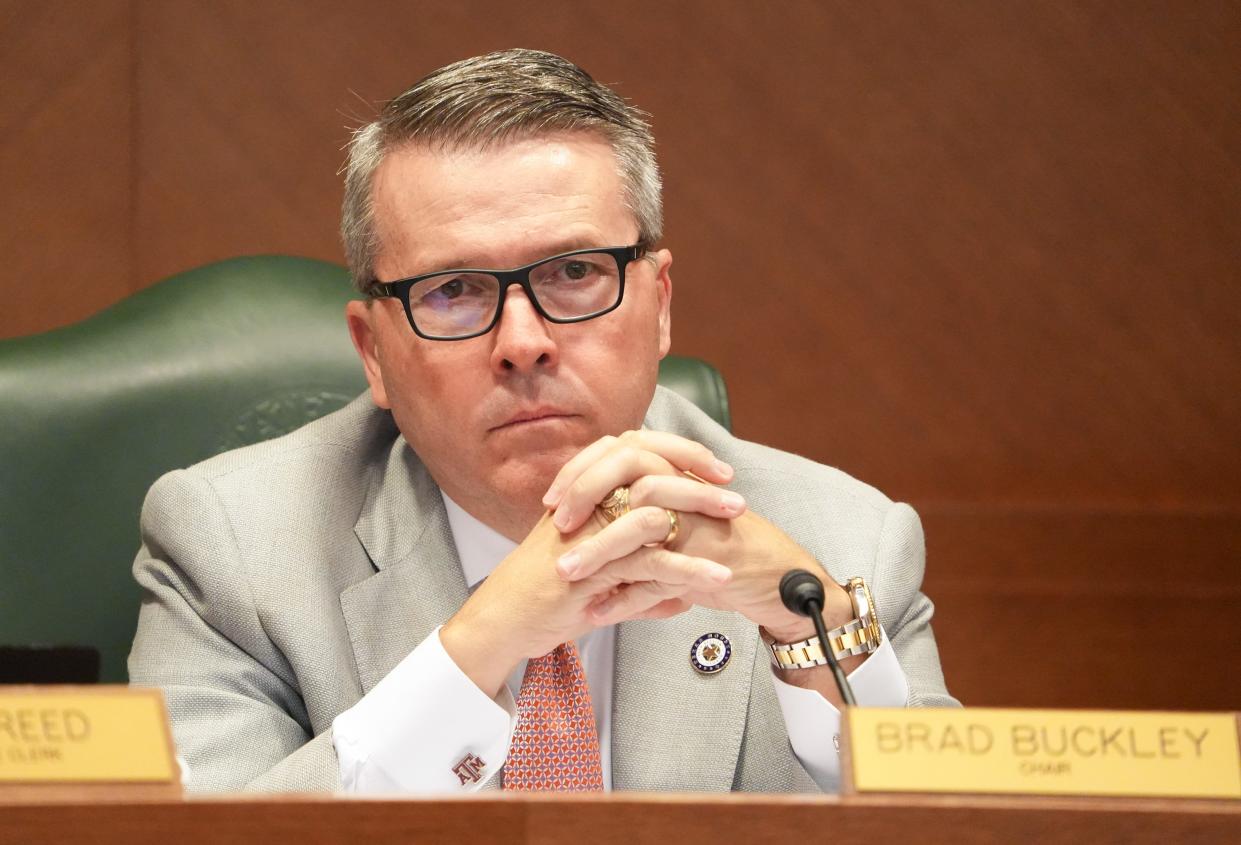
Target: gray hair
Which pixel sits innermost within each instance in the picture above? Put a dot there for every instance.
(488, 100)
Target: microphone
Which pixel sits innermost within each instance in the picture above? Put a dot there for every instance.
(802, 593)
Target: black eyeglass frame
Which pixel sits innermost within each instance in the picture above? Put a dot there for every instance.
(622, 255)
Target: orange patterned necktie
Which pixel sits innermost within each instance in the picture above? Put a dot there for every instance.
(555, 744)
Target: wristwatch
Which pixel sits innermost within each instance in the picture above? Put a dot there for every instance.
(860, 635)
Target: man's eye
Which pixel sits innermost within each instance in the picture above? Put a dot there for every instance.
(577, 270)
(450, 289)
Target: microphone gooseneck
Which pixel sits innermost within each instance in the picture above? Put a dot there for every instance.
(802, 593)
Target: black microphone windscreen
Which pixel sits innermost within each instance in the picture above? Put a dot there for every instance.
(798, 588)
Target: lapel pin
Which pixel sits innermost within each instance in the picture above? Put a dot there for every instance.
(711, 653)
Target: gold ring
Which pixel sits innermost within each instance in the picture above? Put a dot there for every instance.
(674, 527)
(615, 504)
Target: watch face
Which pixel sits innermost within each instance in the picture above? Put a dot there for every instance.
(710, 653)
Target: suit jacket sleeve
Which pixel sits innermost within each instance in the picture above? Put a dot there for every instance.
(238, 717)
(900, 563)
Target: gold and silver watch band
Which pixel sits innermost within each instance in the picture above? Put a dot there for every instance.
(861, 635)
(847, 640)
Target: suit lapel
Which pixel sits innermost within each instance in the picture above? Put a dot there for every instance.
(673, 728)
(419, 585)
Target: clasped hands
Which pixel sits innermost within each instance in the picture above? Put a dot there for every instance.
(575, 571)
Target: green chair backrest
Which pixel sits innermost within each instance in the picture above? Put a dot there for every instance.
(219, 357)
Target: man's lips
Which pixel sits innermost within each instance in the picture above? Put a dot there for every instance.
(530, 416)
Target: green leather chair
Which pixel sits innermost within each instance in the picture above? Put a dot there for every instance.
(212, 359)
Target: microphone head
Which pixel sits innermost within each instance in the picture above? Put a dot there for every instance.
(798, 589)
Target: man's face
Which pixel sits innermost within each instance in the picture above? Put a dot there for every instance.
(495, 417)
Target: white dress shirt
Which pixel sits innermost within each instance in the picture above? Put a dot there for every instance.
(409, 732)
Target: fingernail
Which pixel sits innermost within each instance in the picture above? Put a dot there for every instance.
(719, 574)
(568, 563)
(561, 519)
(722, 468)
(731, 501)
(551, 497)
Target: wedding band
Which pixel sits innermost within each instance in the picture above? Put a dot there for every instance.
(615, 504)
(674, 527)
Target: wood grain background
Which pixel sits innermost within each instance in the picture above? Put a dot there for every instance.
(982, 255)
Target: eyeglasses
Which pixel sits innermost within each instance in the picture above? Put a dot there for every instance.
(566, 288)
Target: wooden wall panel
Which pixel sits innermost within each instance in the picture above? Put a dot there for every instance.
(1069, 607)
(65, 152)
(240, 132)
(990, 239)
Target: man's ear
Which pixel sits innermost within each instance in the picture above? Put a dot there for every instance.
(361, 317)
(663, 282)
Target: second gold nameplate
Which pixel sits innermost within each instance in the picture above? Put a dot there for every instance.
(1049, 752)
(84, 735)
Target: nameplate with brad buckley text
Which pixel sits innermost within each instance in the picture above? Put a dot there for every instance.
(84, 735)
(1044, 752)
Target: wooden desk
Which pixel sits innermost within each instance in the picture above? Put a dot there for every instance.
(624, 819)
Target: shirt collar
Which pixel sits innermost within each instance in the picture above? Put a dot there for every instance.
(479, 547)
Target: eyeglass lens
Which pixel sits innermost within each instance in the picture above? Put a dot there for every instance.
(455, 304)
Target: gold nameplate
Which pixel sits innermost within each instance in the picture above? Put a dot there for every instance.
(1045, 752)
(105, 734)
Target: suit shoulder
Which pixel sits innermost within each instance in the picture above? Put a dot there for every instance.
(755, 462)
(352, 435)
(324, 461)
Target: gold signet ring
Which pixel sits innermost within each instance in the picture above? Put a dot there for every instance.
(615, 504)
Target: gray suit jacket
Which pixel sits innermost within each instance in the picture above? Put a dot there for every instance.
(282, 581)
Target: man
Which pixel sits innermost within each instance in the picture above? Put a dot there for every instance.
(516, 562)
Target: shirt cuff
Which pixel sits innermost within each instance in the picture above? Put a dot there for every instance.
(425, 728)
(813, 722)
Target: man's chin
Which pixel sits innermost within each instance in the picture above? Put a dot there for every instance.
(526, 477)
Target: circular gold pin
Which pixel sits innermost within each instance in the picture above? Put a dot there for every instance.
(710, 653)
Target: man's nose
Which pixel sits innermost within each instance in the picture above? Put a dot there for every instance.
(522, 339)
